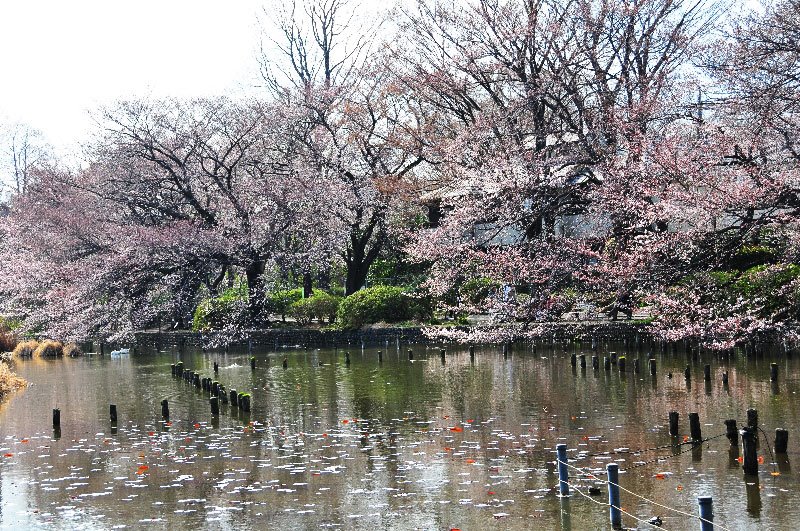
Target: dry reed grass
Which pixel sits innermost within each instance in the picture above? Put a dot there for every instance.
(49, 349)
(9, 381)
(8, 340)
(25, 349)
(72, 350)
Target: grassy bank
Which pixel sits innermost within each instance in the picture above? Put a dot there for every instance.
(9, 381)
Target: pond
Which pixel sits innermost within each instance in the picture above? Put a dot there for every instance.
(397, 444)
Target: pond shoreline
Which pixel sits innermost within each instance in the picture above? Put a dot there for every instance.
(308, 337)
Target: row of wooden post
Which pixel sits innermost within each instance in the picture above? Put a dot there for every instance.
(217, 391)
(749, 436)
(705, 503)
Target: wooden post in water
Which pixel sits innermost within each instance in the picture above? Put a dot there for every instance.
(706, 513)
(380, 356)
(724, 377)
(347, 358)
(621, 363)
(216, 367)
(285, 362)
(214, 401)
(773, 372)
(252, 363)
(234, 398)
(731, 432)
(750, 460)
(636, 369)
(215, 388)
(606, 363)
(595, 362)
(196, 379)
(472, 352)
(573, 359)
(112, 412)
(707, 372)
(781, 440)
(752, 419)
(694, 428)
(673, 423)
(615, 515)
(443, 354)
(583, 361)
(687, 373)
(165, 409)
(172, 368)
(613, 356)
(410, 354)
(561, 455)
(56, 418)
(223, 395)
(652, 366)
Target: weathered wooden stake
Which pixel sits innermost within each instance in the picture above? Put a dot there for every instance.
(613, 356)
(583, 361)
(285, 362)
(165, 409)
(234, 398)
(573, 359)
(653, 366)
(752, 419)
(172, 368)
(750, 460)
(724, 377)
(621, 363)
(606, 363)
(694, 427)
(347, 358)
(56, 418)
(706, 513)
(216, 367)
(673, 423)
(112, 412)
(472, 352)
(773, 372)
(443, 355)
(731, 432)
(215, 388)
(223, 394)
(707, 373)
(196, 380)
(781, 440)
(595, 362)
(561, 454)
(380, 356)
(214, 401)
(252, 363)
(613, 495)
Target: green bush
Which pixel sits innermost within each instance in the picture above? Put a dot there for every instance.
(279, 302)
(214, 312)
(476, 290)
(390, 304)
(320, 305)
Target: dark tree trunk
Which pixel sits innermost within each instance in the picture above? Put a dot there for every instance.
(356, 276)
(255, 291)
(308, 286)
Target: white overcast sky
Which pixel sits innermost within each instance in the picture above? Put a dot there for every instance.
(59, 59)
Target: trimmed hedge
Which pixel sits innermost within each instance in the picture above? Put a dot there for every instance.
(213, 313)
(389, 304)
(320, 305)
(279, 302)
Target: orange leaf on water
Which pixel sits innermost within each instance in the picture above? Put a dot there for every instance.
(760, 459)
(8, 455)
(470, 461)
(660, 476)
(196, 424)
(457, 429)
(142, 469)
(740, 459)
(776, 473)
(24, 441)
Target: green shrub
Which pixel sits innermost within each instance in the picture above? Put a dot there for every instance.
(279, 302)
(476, 290)
(388, 304)
(320, 305)
(213, 313)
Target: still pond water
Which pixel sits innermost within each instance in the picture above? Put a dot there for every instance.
(394, 445)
